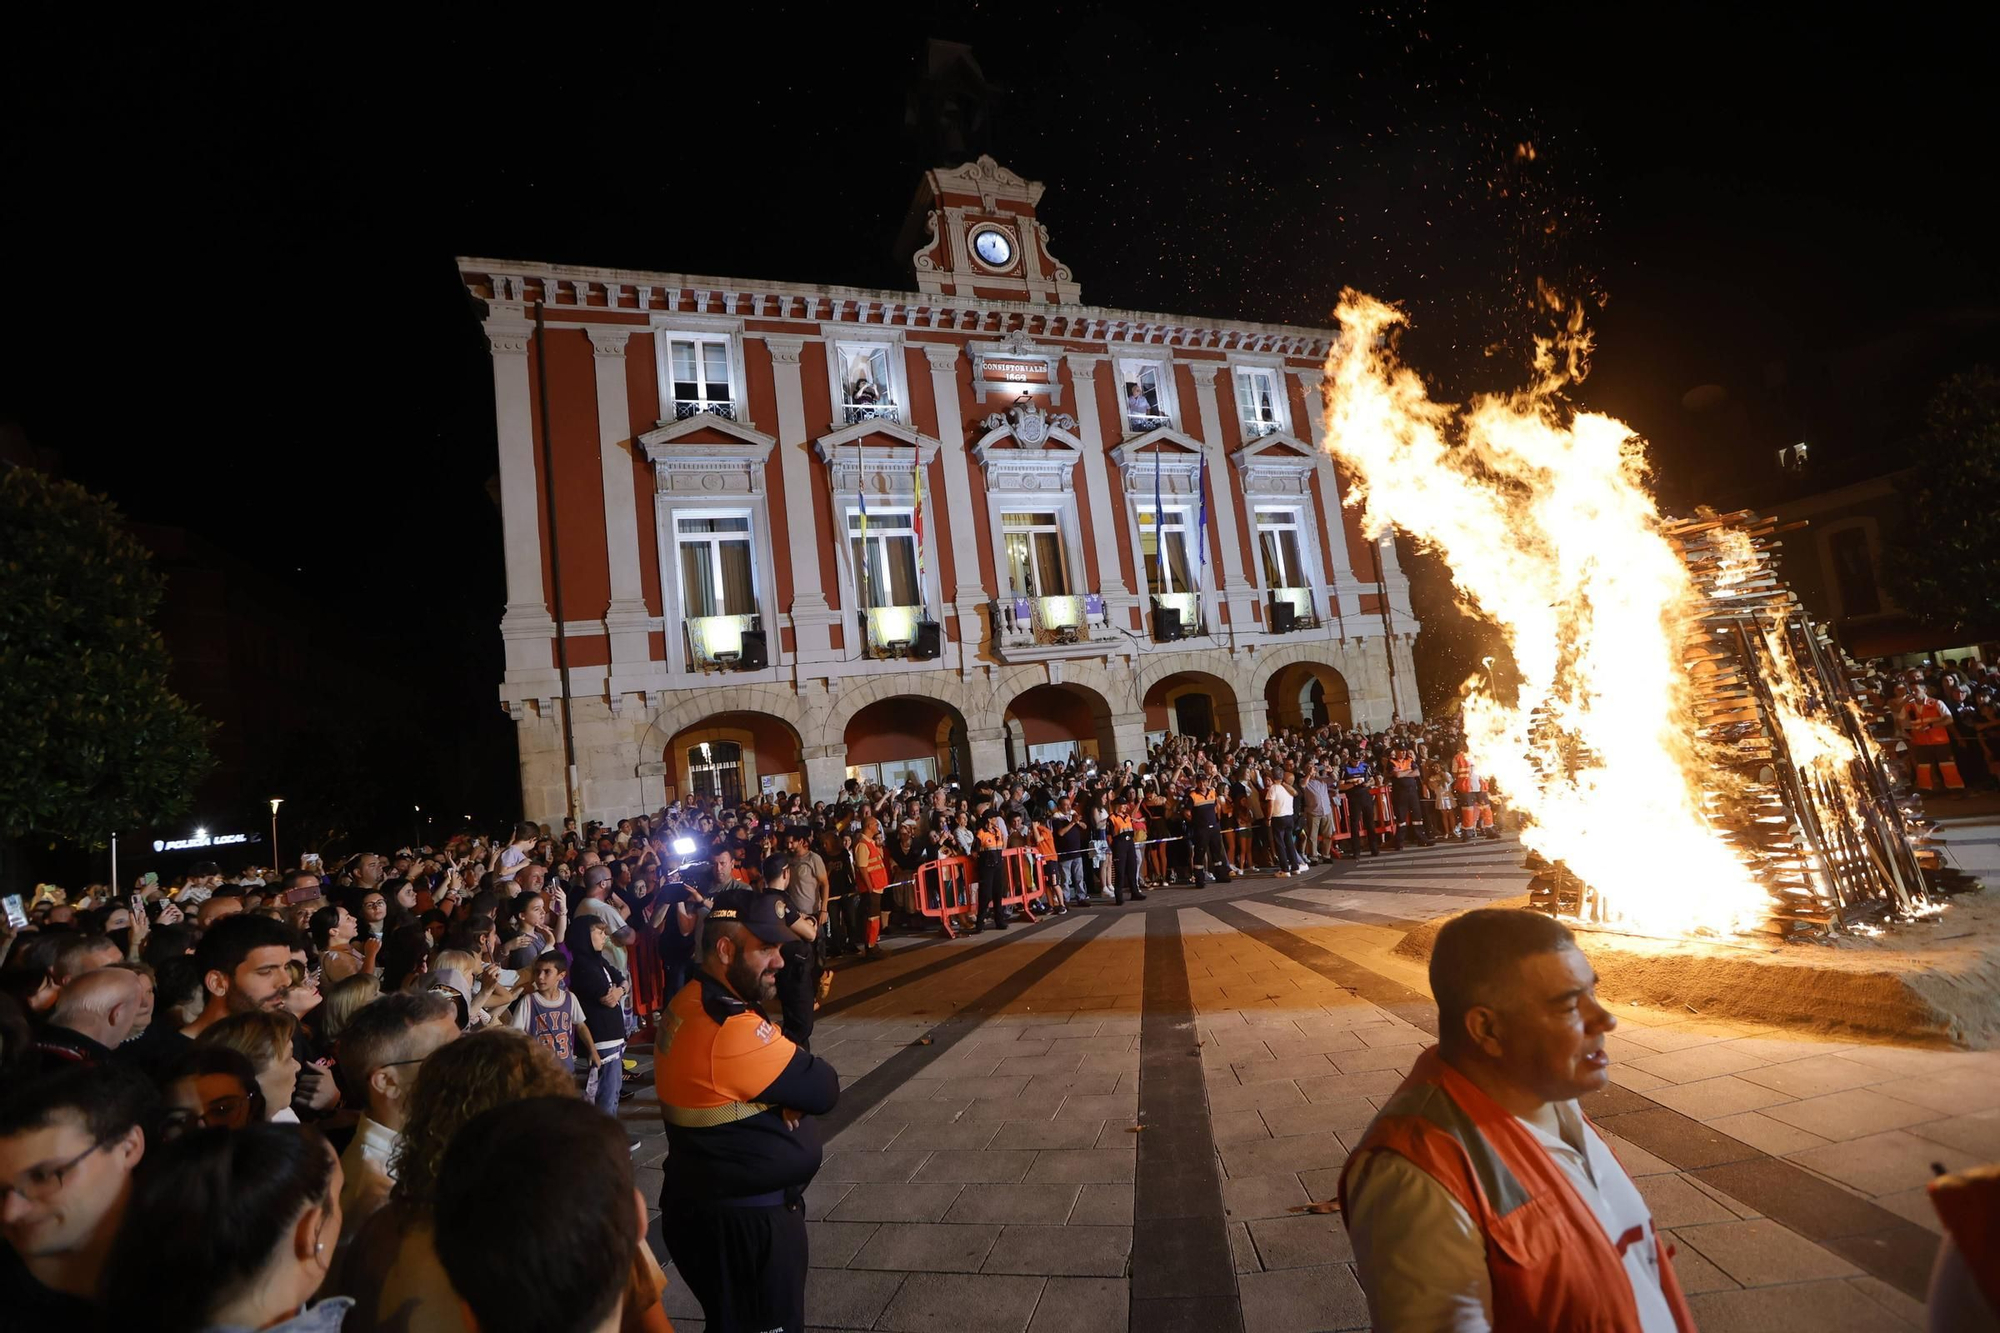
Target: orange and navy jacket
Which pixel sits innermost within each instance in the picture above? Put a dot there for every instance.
(1201, 805)
(1121, 829)
(725, 1077)
(991, 844)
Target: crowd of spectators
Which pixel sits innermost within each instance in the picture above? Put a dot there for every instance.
(357, 1094)
(1943, 712)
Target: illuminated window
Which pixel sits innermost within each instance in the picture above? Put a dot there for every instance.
(698, 375)
(1260, 399)
(1035, 563)
(884, 551)
(1166, 531)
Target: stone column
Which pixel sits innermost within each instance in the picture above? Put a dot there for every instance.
(987, 748)
(826, 770)
(526, 626)
(812, 618)
(1333, 534)
(1396, 587)
(1097, 485)
(625, 618)
(968, 597)
(1128, 739)
(1237, 594)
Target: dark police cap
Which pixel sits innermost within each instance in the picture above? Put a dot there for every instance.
(754, 911)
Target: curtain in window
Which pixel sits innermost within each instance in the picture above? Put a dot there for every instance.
(739, 597)
(1049, 558)
(1020, 569)
(901, 558)
(715, 371)
(1177, 560)
(687, 383)
(698, 579)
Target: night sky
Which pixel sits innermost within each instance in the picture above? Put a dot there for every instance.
(232, 304)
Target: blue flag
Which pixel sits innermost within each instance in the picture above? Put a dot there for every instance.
(1159, 513)
(1201, 521)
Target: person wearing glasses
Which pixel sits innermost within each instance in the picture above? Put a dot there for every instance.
(211, 1087)
(230, 1231)
(381, 1049)
(68, 1144)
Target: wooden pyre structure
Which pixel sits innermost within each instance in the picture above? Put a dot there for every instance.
(1834, 843)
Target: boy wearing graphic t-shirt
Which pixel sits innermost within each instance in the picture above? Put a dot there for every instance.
(551, 1015)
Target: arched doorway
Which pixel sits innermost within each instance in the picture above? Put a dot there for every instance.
(1307, 694)
(1058, 722)
(1191, 703)
(730, 757)
(904, 738)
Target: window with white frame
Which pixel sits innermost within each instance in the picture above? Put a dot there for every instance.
(717, 567)
(883, 544)
(1164, 542)
(698, 375)
(1260, 399)
(867, 381)
(1036, 564)
(1143, 385)
(1280, 545)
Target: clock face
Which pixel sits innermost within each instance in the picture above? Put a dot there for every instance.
(993, 248)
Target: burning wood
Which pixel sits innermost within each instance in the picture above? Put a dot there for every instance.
(1685, 749)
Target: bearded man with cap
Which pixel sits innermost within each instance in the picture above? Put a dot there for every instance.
(738, 1097)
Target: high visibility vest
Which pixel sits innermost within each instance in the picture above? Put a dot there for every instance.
(1120, 827)
(1464, 779)
(1928, 723)
(1551, 1266)
(1968, 1203)
(1404, 767)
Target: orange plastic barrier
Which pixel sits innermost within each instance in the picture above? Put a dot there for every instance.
(948, 888)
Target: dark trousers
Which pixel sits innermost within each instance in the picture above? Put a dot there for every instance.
(1124, 867)
(747, 1266)
(1409, 811)
(1361, 822)
(1207, 836)
(798, 986)
(992, 875)
(1283, 846)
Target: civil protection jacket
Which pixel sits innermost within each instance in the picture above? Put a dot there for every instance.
(1552, 1268)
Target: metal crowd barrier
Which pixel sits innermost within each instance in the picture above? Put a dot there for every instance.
(948, 888)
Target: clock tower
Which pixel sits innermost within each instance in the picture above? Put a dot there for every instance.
(980, 237)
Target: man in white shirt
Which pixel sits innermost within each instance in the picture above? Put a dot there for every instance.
(381, 1049)
(1480, 1198)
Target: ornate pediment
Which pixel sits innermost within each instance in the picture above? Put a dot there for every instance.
(707, 455)
(1164, 455)
(1276, 464)
(878, 455)
(1028, 449)
(1031, 427)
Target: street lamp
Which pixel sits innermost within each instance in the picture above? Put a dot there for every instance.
(276, 801)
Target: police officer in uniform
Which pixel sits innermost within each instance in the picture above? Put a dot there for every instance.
(1205, 832)
(738, 1098)
(1124, 856)
(992, 874)
(1360, 806)
(1409, 801)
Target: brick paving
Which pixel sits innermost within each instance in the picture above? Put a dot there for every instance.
(1118, 1117)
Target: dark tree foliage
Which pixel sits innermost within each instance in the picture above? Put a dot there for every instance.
(1943, 566)
(91, 738)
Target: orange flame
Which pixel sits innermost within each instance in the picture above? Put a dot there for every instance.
(1550, 531)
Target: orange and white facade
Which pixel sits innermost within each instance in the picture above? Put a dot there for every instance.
(808, 532)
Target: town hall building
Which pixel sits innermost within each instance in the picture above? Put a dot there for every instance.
(766, 535)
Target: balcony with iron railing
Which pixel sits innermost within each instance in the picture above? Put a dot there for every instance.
(715, 643)
(1289, 610)
(853, 414)
(1023, 625)
(1138, 423)
(694, 407)
(1256, 428)
(898, 631)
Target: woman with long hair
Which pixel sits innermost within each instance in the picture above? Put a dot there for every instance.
(229, 1229)
(332, 930)
(370, 909)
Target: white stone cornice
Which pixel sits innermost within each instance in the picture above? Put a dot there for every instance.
(942, 356)
(1310, 379)
(1203, 372)
(1083, 365)
(609, 339)
(784, 351)
(674, 431)
(834, 445)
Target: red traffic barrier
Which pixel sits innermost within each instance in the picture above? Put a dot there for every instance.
(948, 888)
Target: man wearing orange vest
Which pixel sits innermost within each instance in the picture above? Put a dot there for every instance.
(1927, 724)
(992, 874)
(1480, 1198)
(1475, 807)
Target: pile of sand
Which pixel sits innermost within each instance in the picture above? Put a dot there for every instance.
(1933, 982)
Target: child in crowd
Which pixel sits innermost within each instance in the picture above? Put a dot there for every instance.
(551, 1015)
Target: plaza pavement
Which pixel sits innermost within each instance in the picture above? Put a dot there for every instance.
(1118, 1119)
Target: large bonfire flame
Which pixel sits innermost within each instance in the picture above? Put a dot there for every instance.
(1547, 523)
